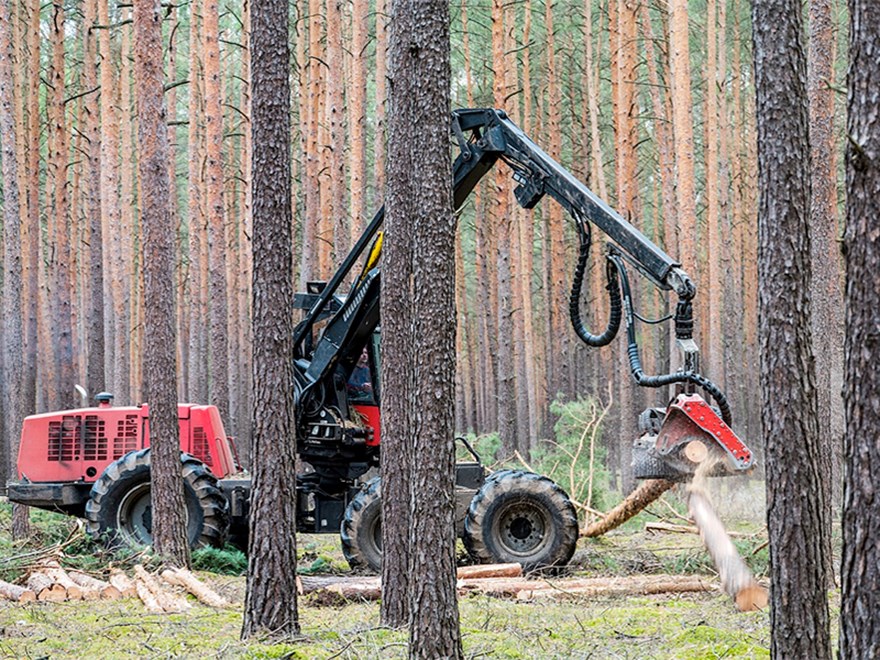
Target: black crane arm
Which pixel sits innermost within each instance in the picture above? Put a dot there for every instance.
(492, 136)
(484, 137)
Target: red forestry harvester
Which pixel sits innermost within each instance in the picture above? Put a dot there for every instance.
(94, 462)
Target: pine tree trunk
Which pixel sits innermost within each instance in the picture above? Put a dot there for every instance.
(797, 525)
(683, 135)
(358, 117)
(500, 217)
(94, 239)
(627, 195)
(381, 94)
(30, 234)
(398, 354)
(535, 389)
(860, 568)
(271, 603)
(335, 118)
(713, 343)
(554, 241)
(309, 264)
(125, 257)
(61, 392)
(160, 352)
(421, 232)
(217, 305)
(197, 294)
(13, 342)
(827, 292)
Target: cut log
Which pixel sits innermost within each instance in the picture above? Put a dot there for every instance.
(148, 598)
(695, 451)
(736, 578)
(16, 592)
(331, 593)
(641, 586)
(637, 584)
(312, 583)
(122, 582)
(59, 576)
(647, 492)
(169, 602)
(46, 590)
(180, 577)
(92, 585)
(489, 571)
(356, 591)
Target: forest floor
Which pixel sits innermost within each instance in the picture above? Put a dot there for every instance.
(702, 625)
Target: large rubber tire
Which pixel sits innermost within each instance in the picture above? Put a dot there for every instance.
(119, 508)
(361, 530)
(522, 517)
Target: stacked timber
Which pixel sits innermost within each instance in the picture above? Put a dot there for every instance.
(49, 582)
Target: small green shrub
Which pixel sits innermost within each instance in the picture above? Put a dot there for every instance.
(486, 446)
(576, 452)
(226, 561)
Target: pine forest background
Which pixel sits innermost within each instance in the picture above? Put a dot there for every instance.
(651, 104)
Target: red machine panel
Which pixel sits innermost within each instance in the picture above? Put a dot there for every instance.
(76, 445)
(371, 420)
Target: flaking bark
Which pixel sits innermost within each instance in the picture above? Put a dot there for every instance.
(797, 512)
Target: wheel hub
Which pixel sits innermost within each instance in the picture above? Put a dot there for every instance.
(135, 515)
(522, 529)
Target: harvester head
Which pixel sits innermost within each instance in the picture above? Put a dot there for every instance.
(687, 436)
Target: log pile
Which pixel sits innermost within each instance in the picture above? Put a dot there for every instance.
(49, 582)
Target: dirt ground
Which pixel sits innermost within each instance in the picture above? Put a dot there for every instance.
(702, 625)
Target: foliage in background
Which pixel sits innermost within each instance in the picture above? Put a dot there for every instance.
(575, 458)
(486, 446)
(226, 561)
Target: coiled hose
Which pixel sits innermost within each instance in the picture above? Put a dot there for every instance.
(620, 295)
(635, 362)
(613, 288)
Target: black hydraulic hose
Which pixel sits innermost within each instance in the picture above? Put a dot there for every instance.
(635, 362)
(612, 287)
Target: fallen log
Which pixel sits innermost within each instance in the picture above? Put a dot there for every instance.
(123, 583)
(169, 602)
(58, 575)
(104, 590)
(636, 584)
(312, 583)
(736, 578)
(489, 571)
(180, 577)
(46, 590)
(16, 593)
(524, 589)
(642, 586)
(355, 591)
(648, 491)
(148, 598)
